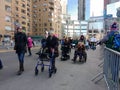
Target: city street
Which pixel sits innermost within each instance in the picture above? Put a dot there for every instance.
(69, 76)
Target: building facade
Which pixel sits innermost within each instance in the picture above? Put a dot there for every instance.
(106, 2)
(46, 16)
(15, 13)
(64, 6)
(81, 9)
(75, 28)
(96, 27)
(34, 16)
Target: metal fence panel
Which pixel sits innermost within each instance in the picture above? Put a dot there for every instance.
(111, 68)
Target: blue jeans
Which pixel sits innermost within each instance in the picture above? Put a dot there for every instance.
(21, 57)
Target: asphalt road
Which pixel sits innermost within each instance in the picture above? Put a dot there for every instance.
(69, 76)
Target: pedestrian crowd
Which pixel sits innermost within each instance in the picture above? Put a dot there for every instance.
(23, 44)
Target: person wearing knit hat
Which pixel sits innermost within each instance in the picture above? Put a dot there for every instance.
(20, 47)
(114, 26)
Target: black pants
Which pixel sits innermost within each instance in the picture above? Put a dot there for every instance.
(29, 51)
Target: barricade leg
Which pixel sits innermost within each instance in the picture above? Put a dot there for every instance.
(98, 75)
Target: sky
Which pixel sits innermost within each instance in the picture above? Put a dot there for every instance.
(95, 9)
(72, 8)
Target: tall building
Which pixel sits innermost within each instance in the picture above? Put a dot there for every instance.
(22, 14)
(15, 13)
(46, 16)
(81, 9)
(106, 2)
(64, 6)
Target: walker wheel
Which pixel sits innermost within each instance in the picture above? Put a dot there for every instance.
(36, 71)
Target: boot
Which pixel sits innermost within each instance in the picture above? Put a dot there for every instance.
(21, 69)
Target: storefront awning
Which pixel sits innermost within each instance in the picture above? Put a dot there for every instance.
(36, 37)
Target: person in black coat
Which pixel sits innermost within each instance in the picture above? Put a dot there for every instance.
(20, 47)
(52, 45)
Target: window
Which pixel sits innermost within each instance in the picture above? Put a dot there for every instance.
(28, 9)
(17, 15)
(23, 22)
(16, 2)
(45, 9)
(16, 8)
(23, 17)
(24, 28)
(28, 14)
(23, 5)
(28, 24)
(8, 18)
(34, 6)
(50, 24)
(8, 28)
(45, 24)
(44, 4)
(7, 8)
(29, 5)
(23, 11)
(34, 0)
(8, 0)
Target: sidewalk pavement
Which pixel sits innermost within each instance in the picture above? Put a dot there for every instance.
(9, 49)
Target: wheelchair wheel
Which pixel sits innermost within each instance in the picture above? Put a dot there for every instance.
(42, 69)
(36, 71)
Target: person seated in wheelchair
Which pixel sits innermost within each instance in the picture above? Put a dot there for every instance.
(79, 51)
(65, 47)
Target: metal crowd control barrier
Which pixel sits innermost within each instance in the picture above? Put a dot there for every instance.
(111, 68)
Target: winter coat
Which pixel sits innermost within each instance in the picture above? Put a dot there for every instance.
(20, 42)
(30, 42)
(52, 42)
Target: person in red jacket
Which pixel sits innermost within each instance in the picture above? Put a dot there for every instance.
(29, 45)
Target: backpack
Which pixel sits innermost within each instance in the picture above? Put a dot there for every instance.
(117, 42)
(113, 41)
